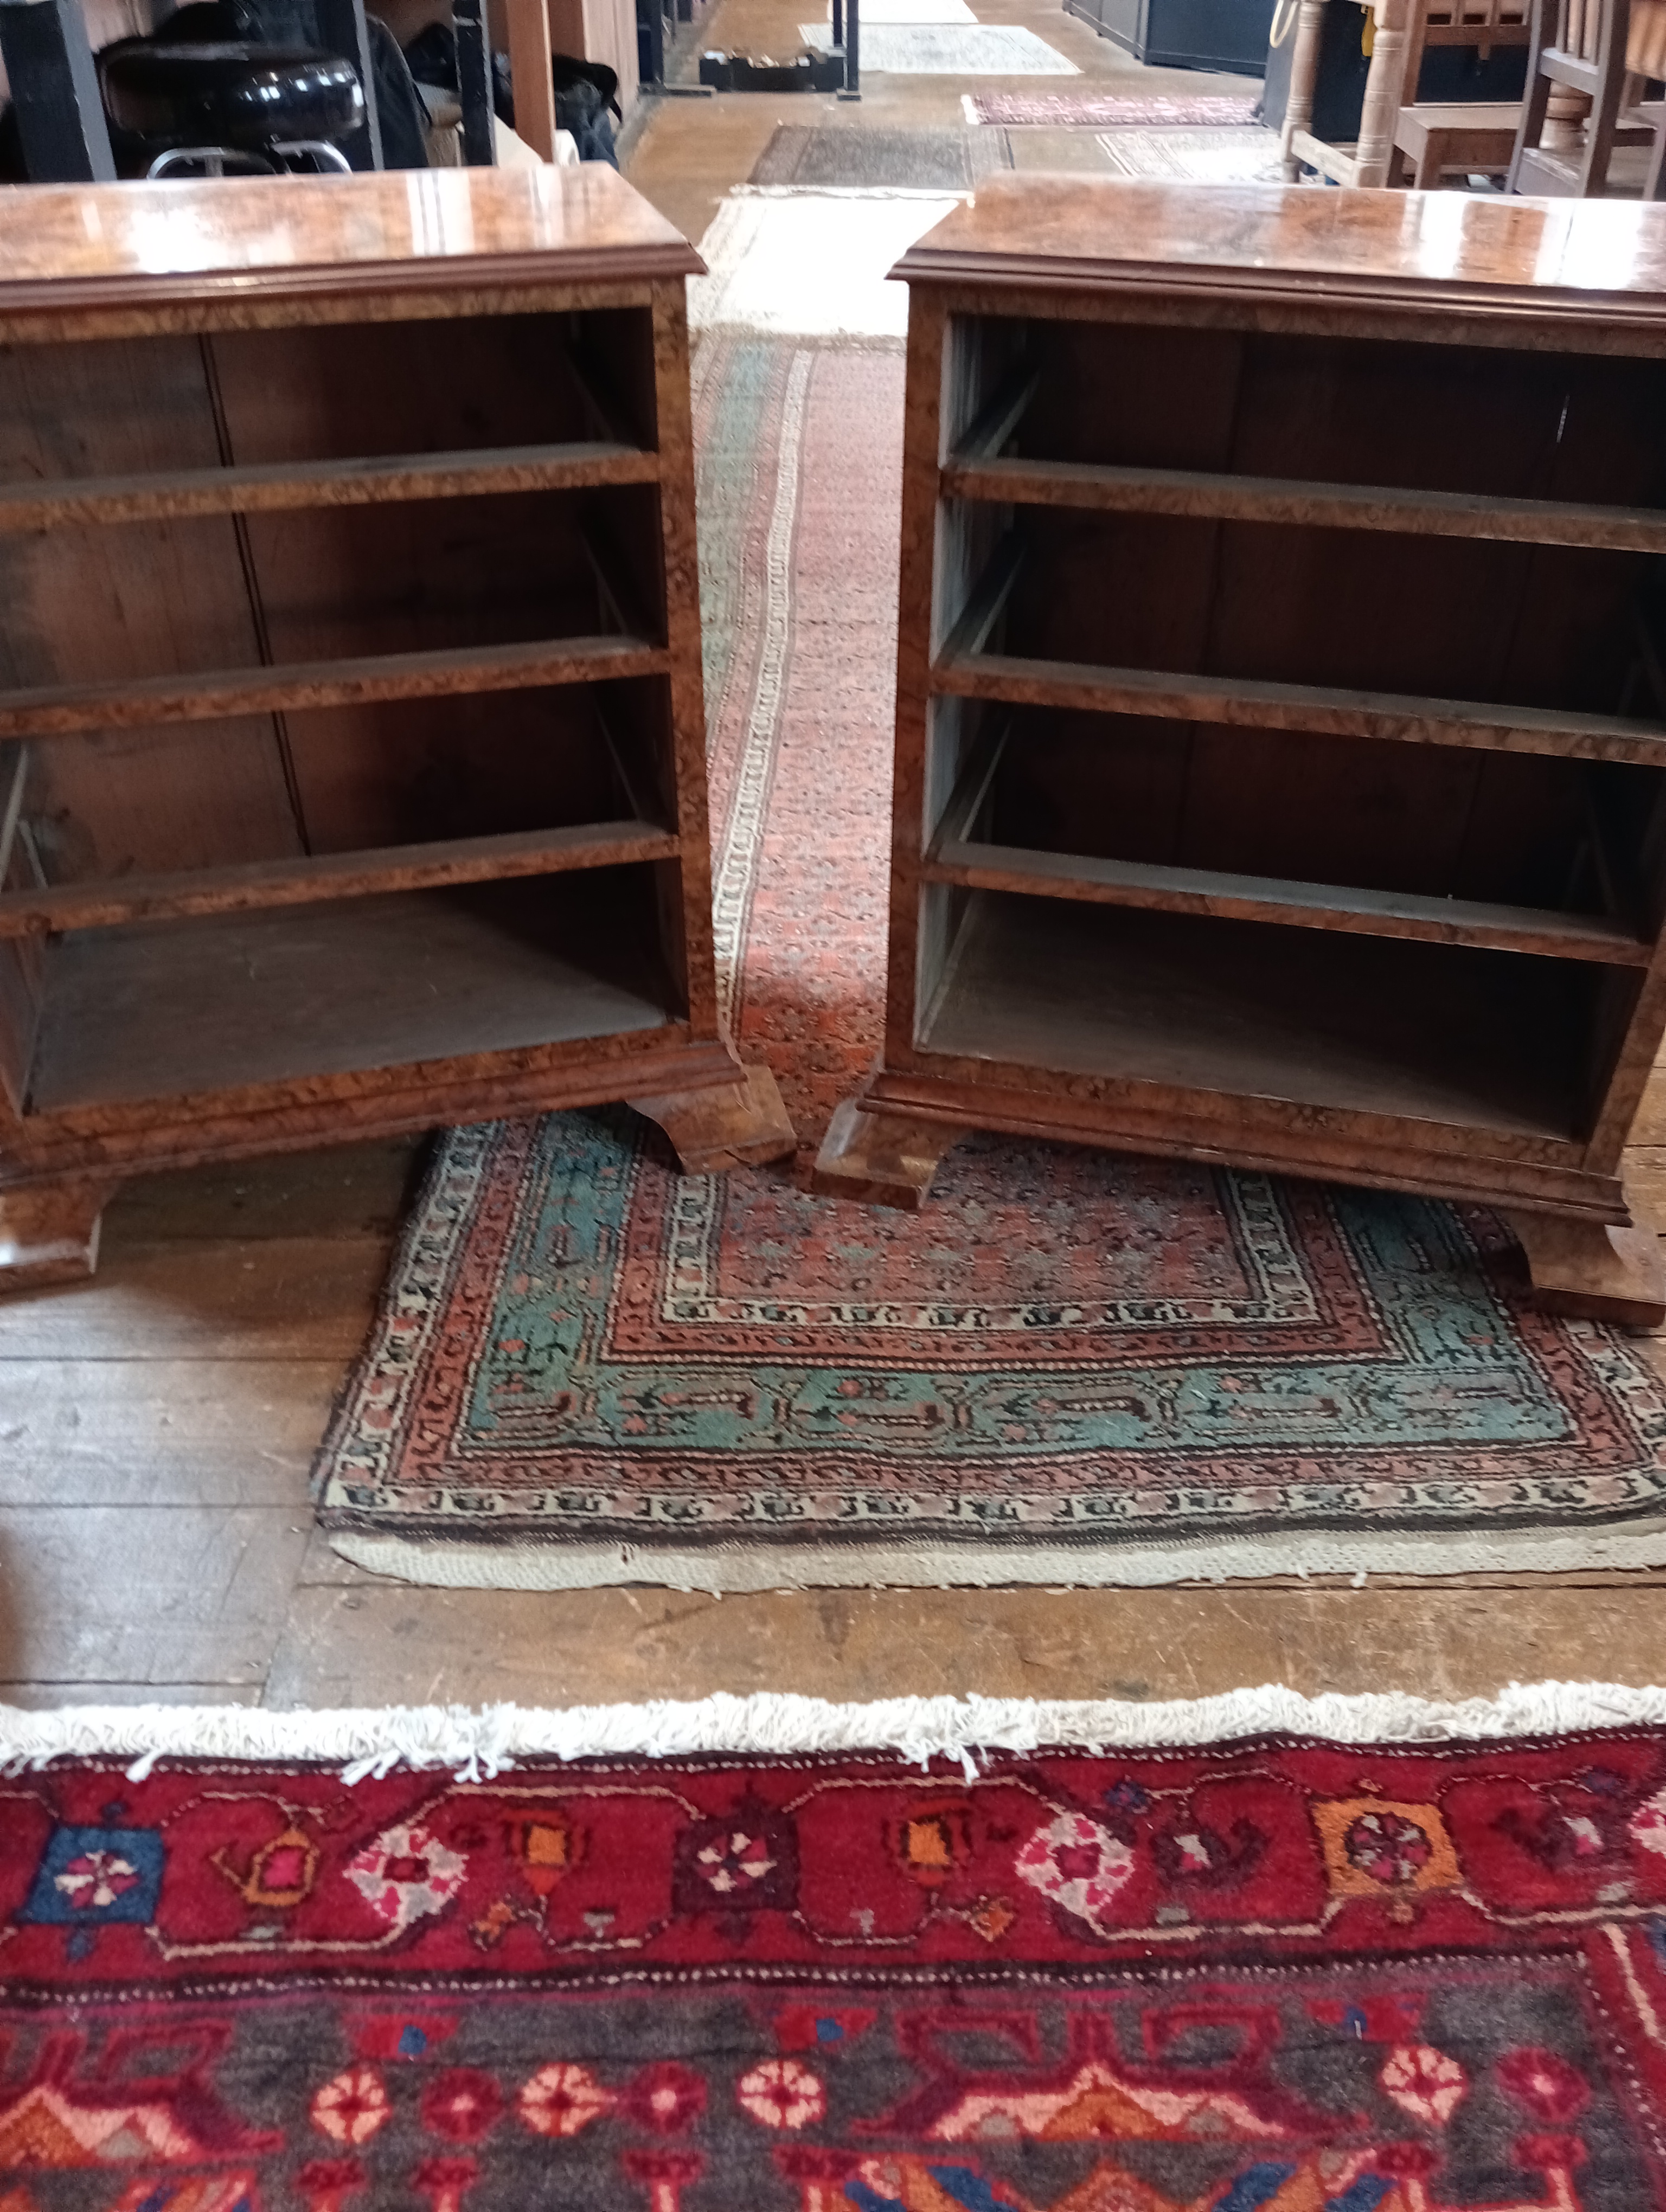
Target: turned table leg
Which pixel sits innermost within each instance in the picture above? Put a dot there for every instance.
(1304, 78)
(880, 1157)
(49, 1233)
(725, 1125)
(1594, 1270)
(1385, 89)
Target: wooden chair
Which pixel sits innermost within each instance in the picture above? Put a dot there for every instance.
(1434, 139)
(1583, 46)
(1367, 163)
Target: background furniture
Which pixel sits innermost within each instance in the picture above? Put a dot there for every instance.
(1405, 34)
(1366, 162)
(263, 108)
(1435, 138)
(1209, 34)
(351, 734)
(1280, 767)
(1581, 46)
(47, 49)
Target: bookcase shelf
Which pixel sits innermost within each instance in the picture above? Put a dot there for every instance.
(1281, 722)
(232, 1001)
(351, 733)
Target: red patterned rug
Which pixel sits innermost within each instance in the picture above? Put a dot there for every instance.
(1272, 1975)
(1071, 1367)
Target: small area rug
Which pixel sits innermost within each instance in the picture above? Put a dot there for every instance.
(926, 160)
(1273, 1974)
(1243, 154)
(1097, 111)
(1072, 1367)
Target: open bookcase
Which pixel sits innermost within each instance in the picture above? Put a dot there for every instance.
(1281, 721)
(351, 732)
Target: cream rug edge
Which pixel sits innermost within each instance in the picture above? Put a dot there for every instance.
(364, 1741)
(737, 1570)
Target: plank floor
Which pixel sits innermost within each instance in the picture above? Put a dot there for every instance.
(157, 1425)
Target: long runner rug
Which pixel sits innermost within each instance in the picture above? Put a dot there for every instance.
(1073, 1367)
(1271, 1973)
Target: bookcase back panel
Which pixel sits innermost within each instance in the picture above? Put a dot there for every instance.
(333, 391)
(105, 407)
(426, 575)
(1512, 828)
(1455, 418)
(107, 804)
(1348, 411)
(481, 765)
(1446, 617)
(1157, 399)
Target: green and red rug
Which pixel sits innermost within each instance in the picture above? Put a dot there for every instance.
(1272, 1973)
(1072, 1367)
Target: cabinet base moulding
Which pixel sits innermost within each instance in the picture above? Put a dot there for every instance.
(722, 1126)
(1593, 1271)
(880, 1159)
(49, 1233)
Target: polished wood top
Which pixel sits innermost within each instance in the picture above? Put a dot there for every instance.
(1482, 251)
(405, 229)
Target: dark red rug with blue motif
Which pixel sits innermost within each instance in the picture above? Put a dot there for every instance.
(1270, 1976)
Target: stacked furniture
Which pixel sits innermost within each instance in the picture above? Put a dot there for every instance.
(351, 732)
(1280, 770)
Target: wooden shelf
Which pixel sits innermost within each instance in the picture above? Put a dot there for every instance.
(168, 1009)
(136, 701)
(258, 884)
(1430, 1034)
(1323, 710)
(1223, 497)
(363, 481)
(1301, 905)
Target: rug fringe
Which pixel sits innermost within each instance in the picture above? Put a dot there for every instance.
(473, 1744)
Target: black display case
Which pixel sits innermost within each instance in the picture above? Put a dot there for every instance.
(1207, 34)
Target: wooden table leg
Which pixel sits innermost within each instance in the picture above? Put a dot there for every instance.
(1593, 1271)
(1304, 77)
(49, 1233)
(1385, 87)
(530, 79)
(880, 1157)
(725, 1125)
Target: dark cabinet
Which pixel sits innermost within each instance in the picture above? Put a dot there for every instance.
(1212, 34)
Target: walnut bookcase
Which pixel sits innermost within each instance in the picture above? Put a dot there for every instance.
(1280, 726)
(351, 733)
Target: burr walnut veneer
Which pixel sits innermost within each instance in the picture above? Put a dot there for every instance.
(352, 735)
(1280, 722)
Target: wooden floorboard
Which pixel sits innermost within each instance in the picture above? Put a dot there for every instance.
(145, 1594)
(162, 1432)
(210, 1299)
(380, 1643)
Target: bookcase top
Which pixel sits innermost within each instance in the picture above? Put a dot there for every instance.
(270, 238)
(1482, 252)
